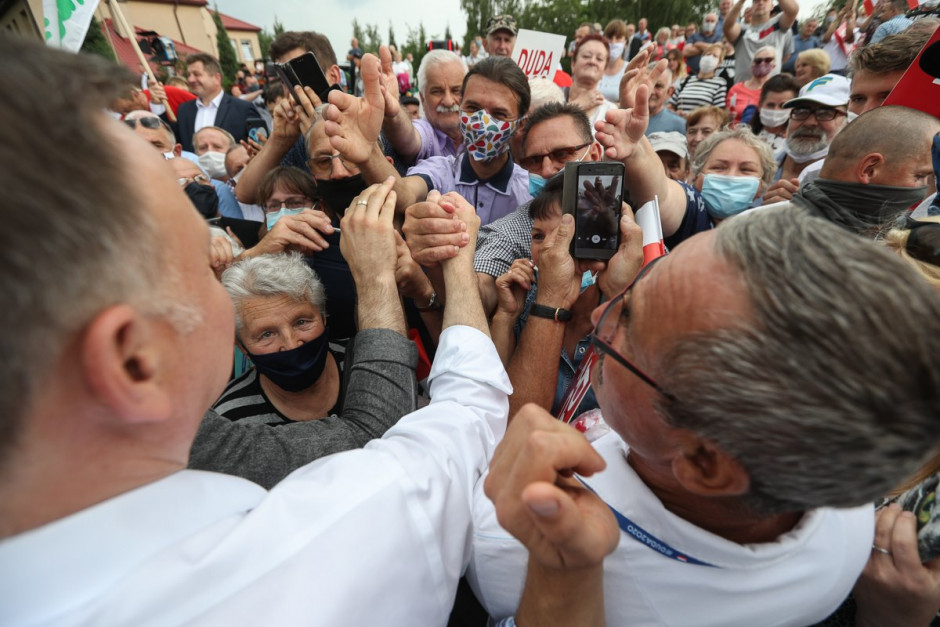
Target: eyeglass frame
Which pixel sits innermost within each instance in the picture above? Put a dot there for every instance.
(536, 160)
(346, 164)
(200, 179)
(282, 204)
(603, 346)
(815, 113)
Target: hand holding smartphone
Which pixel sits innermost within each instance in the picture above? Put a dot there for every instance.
(305, 71)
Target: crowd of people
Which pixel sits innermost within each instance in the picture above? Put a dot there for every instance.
(331, 393)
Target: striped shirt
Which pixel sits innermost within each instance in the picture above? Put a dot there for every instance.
(695, 92)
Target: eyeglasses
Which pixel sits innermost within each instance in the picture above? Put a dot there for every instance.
(923, 242)
(558, 156)
(199, 178)
(153, 123)
(295, 202)
(606, 329)
(824, 114)
(764, 61)
(323, 164)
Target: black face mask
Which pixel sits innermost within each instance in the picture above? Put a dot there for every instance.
(338, 194)
(298, 368)
(204, 198)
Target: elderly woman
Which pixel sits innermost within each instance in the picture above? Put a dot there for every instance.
(704, 89)
(732, 169)
(701, 123)
(280, 324)
(587, 69)
(746, 94)
(616, 34)
(810, 65)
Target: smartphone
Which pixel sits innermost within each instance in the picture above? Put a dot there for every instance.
(256, 130)
(305, 70)
(593, 194)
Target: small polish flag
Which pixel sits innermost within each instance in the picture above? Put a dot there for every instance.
(648, 218)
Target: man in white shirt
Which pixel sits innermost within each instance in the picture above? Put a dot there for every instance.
(120, 349)
(212, 106)
(763, 30)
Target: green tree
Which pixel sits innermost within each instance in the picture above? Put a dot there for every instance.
(264, 42)
(391, 35)
(373, 39)
(447, 34)
(277, 27)
(359, 32)
(95, 41)
(227, 58)
(416, 44)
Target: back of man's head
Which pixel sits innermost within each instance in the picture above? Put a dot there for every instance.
(899, 134)
(76, 237)
(504, 71)
(828, 393)
(309, 41)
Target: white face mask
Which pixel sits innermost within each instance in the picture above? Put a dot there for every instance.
(708, 63)
(772, 118)
(708, 27)
(214, 164)
(616, 50)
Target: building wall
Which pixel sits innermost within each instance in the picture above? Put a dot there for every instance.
(246, 39)
(191, 25)
(21, 19)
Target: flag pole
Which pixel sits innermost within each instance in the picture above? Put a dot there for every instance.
(119, 15)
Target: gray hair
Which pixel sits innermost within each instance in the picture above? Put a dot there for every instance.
(434, 59)
(228, 136)
(284, 274)
(828, 393)
(743, 134)
(78, 235)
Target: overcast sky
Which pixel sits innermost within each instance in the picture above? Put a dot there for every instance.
(334, 18)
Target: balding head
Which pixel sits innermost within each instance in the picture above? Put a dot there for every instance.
(879, 146)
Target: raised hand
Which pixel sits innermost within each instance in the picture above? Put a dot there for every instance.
(389, 84)
(368, 233)
(353, 124)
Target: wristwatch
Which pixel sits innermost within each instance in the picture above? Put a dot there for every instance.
(554, 313)
(433, 304)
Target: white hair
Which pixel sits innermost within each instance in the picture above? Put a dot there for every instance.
(436, 58)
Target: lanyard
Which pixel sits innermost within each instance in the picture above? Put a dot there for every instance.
(642, 536)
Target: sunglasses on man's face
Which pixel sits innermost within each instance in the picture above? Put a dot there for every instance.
(147, 122)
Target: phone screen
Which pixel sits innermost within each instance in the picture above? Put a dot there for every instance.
(306, 71)
(598, 213)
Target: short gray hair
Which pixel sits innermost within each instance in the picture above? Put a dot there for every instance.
(828, 394)
(228, 136)
(743, 134)
(433, 59)
(283, 274)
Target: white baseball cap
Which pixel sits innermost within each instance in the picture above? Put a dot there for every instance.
(830, 90)
(672, 141)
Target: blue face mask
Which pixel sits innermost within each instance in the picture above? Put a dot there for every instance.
(587, 280)
(272, 218)
(726, 196)
(536, 184)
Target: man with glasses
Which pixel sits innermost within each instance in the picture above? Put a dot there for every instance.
(749, 428)
(816, 115)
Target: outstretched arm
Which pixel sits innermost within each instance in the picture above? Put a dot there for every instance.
(731, 27)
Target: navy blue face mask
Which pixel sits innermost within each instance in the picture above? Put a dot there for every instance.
(298, 368)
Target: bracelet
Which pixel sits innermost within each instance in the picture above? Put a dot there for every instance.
(434, 303)
(558, 314)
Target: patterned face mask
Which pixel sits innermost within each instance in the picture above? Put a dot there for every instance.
(485, 137)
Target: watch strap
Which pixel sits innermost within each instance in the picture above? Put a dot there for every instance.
(558, 314)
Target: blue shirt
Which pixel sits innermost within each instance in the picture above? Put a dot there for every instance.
(892, 27)
(695, 220)
(493, 198)
(697, 38)
(666, 121)
(799, 45)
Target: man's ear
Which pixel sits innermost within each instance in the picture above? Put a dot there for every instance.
(869, 166)
(334, 75)
(596, 152)
(178, 150)
(705, 469)
(121, 359)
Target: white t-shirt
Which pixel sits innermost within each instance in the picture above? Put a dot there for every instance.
(372, 536)
(799, 579)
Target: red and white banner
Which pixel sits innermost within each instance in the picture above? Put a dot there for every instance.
(538, 54)
(648, 218)
(919, 87)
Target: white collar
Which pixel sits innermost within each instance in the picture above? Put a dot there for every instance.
(214, 103)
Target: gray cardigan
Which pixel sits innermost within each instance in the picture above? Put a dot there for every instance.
(381, 388)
